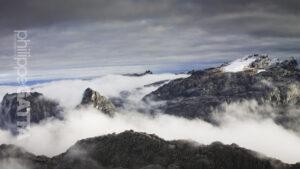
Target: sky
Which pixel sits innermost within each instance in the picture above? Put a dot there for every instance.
(91, 38)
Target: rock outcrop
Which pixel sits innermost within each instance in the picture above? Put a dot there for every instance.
(132, 150)
(259, 62)
(155, 84)
(290, 64)
(36, 106)
(205, 90)
(91, 97)
(147, 72)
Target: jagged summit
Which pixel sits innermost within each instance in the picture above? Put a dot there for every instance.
(259, 62)
(134, 150)
(206, 90)
(147, 72)
(289, 64)
(91, 97)
(34, 104)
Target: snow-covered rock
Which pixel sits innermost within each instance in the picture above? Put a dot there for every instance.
(259, 63)
(252, 61)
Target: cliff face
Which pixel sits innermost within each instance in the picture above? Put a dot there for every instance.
(21, 109)
(266, 81)
(91, 97)
(38, 107)
(132, 150)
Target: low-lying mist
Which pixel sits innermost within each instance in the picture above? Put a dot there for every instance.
(240, 123)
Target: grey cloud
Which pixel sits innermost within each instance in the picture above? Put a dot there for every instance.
(232, 16)
(155, 34)
(39, 13)
(120, 47)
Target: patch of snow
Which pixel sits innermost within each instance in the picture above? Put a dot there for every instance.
(239, 64)
(261, 70)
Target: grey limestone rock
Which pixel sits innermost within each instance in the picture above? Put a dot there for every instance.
(91, 97)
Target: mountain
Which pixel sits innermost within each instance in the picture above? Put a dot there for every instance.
(13, 157)
(133, 150)
(255, 77)
(18, 108)
(147, 72)
(91, 97)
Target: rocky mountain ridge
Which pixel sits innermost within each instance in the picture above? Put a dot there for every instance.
(35, 104)
(147, 72)
(206, 90)
(133, 150)
(256, 77)
(39, 108)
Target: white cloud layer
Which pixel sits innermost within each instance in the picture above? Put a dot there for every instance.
(238, 124)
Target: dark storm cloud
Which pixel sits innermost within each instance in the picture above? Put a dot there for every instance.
(76, 38)
(31, 13)
(256, 17)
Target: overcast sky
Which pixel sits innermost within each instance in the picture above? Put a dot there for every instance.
(86, 38)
